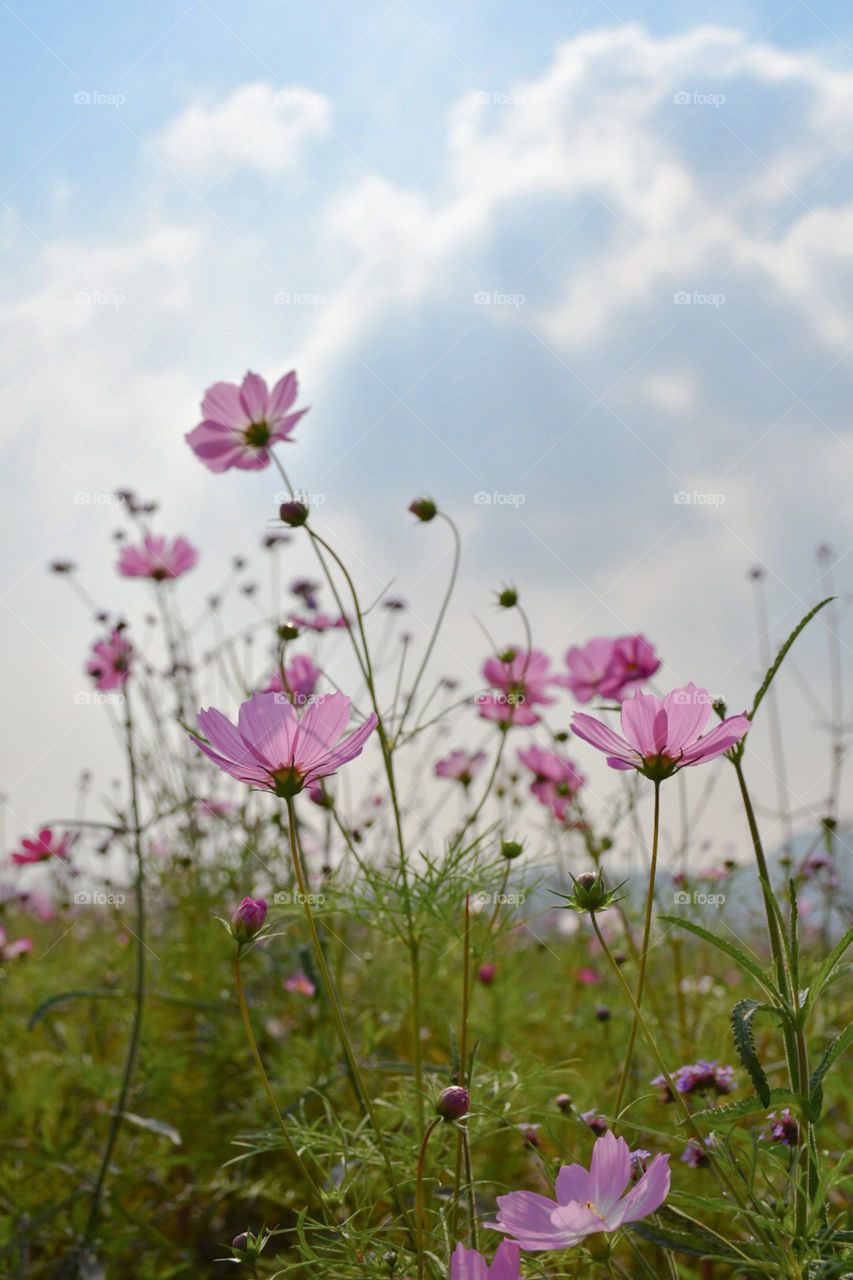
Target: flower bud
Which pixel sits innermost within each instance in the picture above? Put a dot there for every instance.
(453, 1102)
(511, 849)
(602, 1012)
(294, 513)
(248, 919)
(508, 598)
(590, 893)
(424, 508)
(486, 974)
(564, 1102)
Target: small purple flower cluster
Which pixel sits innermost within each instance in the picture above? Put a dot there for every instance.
(698, 1077)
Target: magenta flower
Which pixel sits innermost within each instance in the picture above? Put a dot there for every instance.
(274, 749)
(461, 766)
(608, 668)
(241, 423)
(662, 737)
(783, 1128)
(696, 1156)
(557, 781)
(698, 1077)
(596, 1121)
(44, 847)
(11, 950)
(248, 919)
(469, 1264)
(157, 559)
(300, 680)
(322, 622)
(521, 679)
(587, 1202)
(110, 667)
(300, 984)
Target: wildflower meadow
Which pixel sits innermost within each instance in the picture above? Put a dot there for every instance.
(425, 616)
(348, 997)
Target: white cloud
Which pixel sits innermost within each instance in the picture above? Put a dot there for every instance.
(256, 127)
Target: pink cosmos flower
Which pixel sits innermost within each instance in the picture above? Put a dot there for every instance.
(461, 766)
(557, 781)
(300, 983)
(241, 423)
(45, 846)
(587, 1202)
(662, 737)
(300, 679)
(322, 622)
(273, 748)
(110, 667)
(469, 1264)
(157, 559)
(608, 668)
(521, 679)
(11, 950)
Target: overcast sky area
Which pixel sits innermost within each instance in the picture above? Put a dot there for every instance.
(581, 272)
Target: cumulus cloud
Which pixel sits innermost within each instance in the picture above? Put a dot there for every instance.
(256, 127)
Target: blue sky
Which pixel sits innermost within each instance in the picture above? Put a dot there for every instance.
(657, 210)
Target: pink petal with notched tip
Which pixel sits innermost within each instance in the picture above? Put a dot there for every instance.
(222, 404)
(254, 397)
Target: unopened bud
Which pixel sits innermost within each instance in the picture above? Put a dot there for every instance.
(294, 513)
(248, 919)
(453, 1102)
(424, 508)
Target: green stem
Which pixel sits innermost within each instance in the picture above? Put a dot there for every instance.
(139, 991)
(457, 547)
(419, 1196)
(250, 1035)
(641, 980)
(340, 1023)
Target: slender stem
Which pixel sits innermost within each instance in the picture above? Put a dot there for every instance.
(340, 1023)
(717, 1169)
(457, 546)
(139, 991)
(469, 1178)
(463, 1052)
(419, 1196)
(250, 1035)
(641, 979)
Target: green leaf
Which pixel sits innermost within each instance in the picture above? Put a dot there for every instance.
(782, 654)
(733, 1111)
(740, 957)
(832, 1051)
(47, 1005)
(741, 1020)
